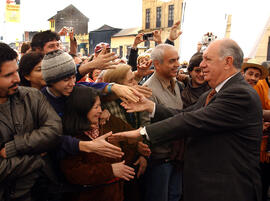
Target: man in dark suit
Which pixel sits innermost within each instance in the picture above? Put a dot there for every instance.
(222, 153)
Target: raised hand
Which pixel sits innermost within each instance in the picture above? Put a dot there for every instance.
(138, 39)
(175, 33)
(71, 34)
(157, 36)
(123, 171)
(144, 69)
(105, 60)
(63, 31)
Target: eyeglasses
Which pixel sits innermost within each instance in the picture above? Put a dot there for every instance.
(198, 70)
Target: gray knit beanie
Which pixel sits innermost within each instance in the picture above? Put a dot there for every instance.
(57, 65)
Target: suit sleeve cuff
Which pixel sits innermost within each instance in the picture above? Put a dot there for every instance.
(10, 149)
(169, 42)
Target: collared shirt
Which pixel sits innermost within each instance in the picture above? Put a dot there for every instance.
(219, 86)
(167, 84)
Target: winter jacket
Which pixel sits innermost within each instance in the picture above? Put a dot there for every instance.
(36, 130)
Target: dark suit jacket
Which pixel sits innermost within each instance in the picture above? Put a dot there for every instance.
(222, 154)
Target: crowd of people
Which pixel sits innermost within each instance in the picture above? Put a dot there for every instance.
(103, 128)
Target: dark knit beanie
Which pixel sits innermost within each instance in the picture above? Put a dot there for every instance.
(57, 65)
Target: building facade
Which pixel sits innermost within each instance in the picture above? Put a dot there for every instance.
(160, 15)
(72, 17)
(261, 49)
(102, 34)
(122, 41)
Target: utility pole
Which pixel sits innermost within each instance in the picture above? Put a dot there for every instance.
(183, 9)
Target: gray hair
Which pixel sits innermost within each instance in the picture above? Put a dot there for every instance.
(158, 52)
(266, 64)
(229, 47)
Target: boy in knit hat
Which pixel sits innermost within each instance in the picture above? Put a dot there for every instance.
(58, 70)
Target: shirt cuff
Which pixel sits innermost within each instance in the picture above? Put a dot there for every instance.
(153, 112)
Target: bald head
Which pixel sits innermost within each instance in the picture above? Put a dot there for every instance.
(228, 47)
(222, 59)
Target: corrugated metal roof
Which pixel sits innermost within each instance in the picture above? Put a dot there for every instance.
(66, 8)
(105, 27)
(127, 32)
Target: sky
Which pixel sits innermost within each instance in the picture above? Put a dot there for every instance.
(248, 18)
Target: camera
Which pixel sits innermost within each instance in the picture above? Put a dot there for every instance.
(207, 39)
(70, 29)
(148, 36)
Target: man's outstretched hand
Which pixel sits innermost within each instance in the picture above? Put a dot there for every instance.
(123, 136)
(101, 147)
(143, 104)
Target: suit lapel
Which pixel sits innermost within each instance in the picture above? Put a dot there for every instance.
(228, 84)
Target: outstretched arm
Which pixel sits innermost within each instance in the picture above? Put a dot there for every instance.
(103, 61)
(101, 147)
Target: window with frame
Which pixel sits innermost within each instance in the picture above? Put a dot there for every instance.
(158, 17)
(171, 15)
(147, 18)
(121, 51)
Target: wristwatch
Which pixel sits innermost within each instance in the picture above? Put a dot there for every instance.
(143, 133)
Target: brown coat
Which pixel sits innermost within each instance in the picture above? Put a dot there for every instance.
(93, 169)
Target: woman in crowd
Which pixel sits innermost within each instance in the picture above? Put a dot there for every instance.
(106, 175)
(94, 75)
(30, 70)
(122, 75)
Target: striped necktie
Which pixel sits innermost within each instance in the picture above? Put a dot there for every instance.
(209, 96)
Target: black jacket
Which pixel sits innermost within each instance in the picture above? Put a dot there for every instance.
(222, 153)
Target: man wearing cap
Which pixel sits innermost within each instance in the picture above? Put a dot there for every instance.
(253, 71)
(100, 46)
(29, 127)
(262, 88)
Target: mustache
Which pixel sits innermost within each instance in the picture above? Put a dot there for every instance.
(14, 85)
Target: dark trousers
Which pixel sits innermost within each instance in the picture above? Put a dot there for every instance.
(265, 176)
(163, 182)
